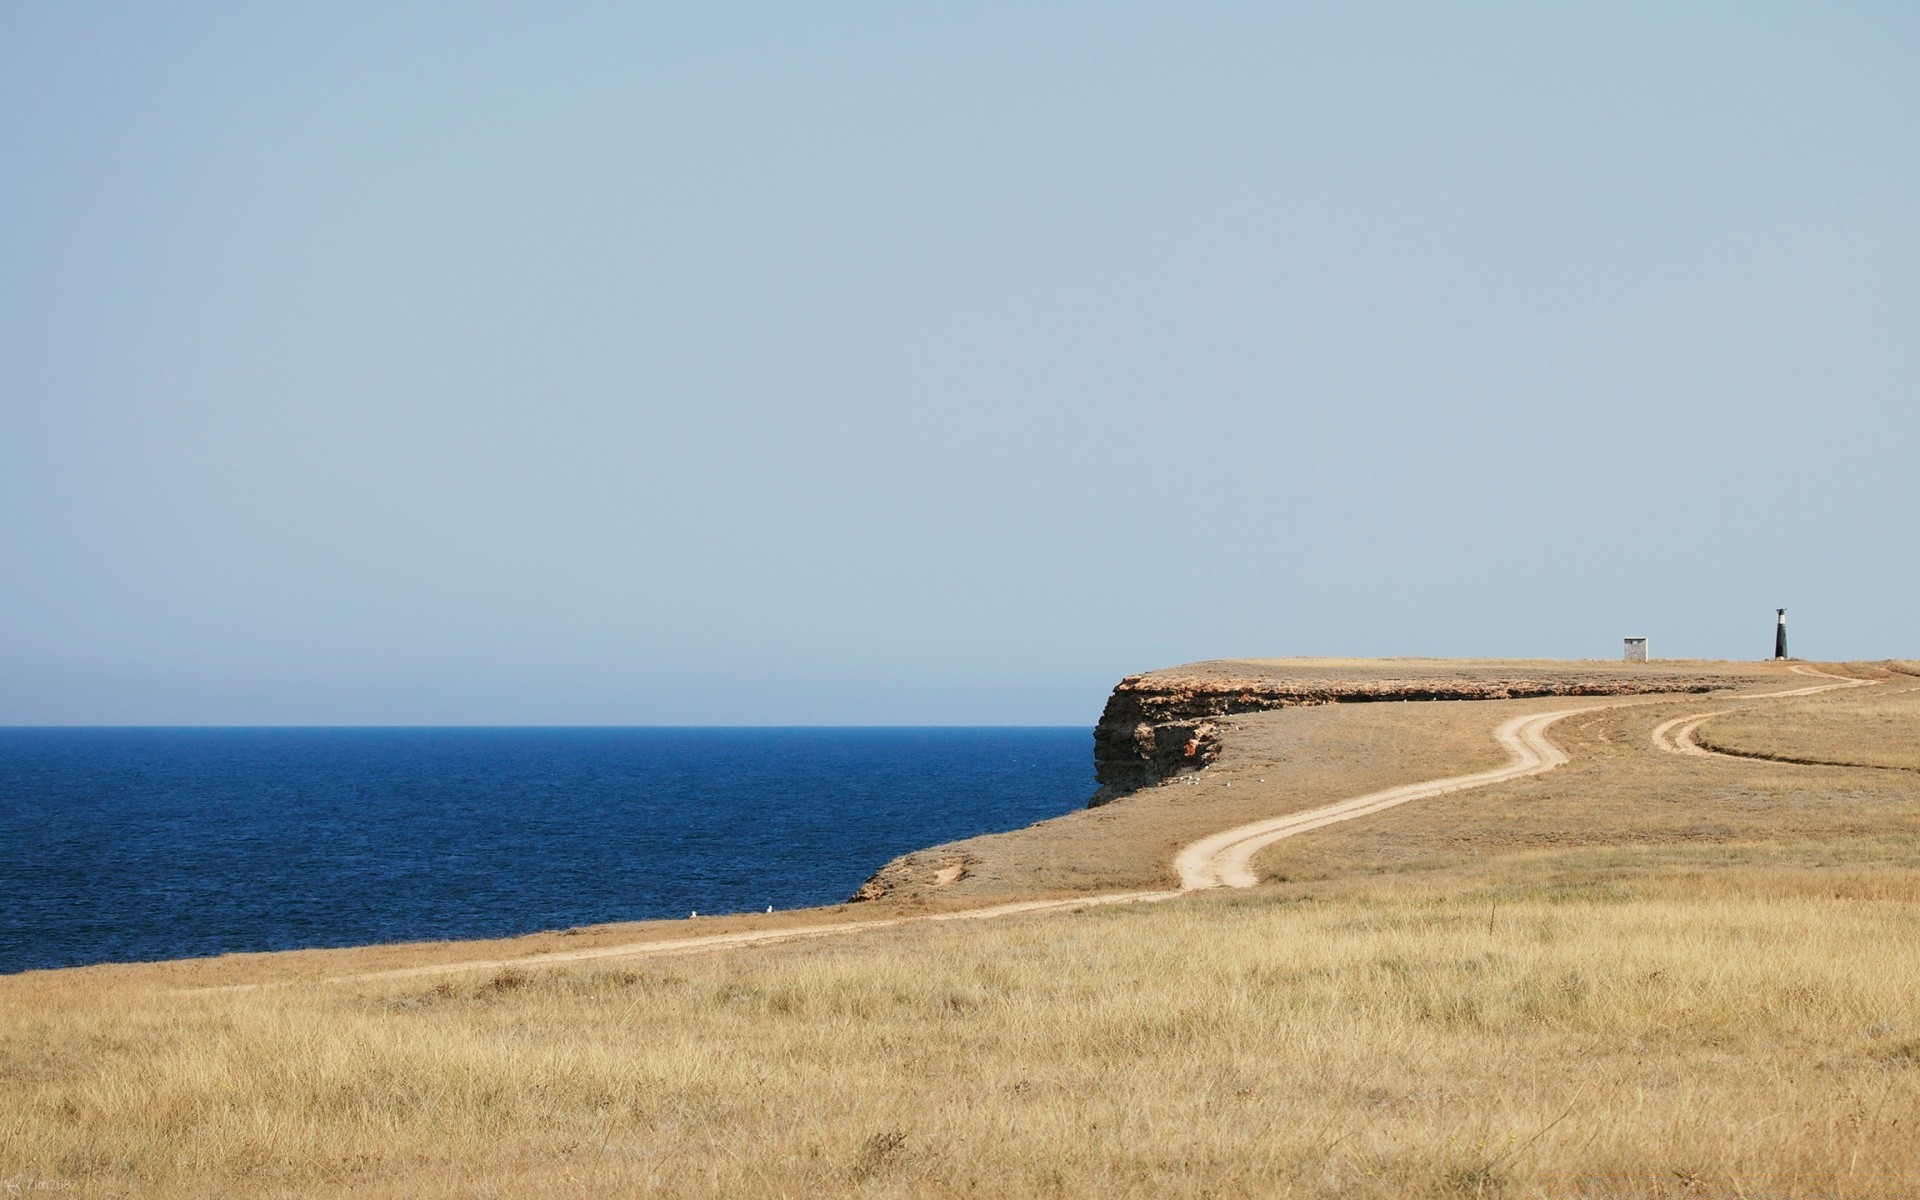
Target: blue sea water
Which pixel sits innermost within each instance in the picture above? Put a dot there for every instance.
(139, 844)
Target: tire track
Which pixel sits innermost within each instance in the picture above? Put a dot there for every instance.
(1226, 859)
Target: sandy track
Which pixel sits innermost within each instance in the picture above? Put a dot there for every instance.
(751, 937)
(1226, 859)
(1223, 859)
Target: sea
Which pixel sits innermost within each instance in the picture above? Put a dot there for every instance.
(127, 845)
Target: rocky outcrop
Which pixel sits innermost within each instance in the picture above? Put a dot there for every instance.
(912, 876)
(1165, 724)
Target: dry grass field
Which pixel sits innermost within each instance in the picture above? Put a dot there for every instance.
(1878, 726)
(1642, 974)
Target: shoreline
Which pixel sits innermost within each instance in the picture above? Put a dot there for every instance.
(937, 899)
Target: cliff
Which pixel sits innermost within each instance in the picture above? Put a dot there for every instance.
(1162, 724)
(1166, 723)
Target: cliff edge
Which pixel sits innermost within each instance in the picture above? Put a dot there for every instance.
(1161, 724)
(1165, 723)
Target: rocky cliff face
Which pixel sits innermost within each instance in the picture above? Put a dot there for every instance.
(1165, 724)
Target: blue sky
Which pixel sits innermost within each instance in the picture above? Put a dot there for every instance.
(901, 364)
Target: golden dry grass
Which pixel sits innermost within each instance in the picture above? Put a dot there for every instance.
(1641, 974)
(1617, 791)
(1750, 1030)
(1877, 726)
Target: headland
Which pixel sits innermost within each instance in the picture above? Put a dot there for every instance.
(1670, 956)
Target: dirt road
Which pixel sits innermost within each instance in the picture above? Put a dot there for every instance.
(1226, 859)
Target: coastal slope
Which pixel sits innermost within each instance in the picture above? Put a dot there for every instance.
(1294, 733)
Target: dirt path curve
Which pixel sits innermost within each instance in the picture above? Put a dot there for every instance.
(1223, 859)
(1226, 859)
(1676, 736)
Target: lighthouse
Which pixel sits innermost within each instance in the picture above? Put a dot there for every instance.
(1780, 634)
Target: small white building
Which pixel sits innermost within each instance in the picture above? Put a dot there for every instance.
(1636, 650)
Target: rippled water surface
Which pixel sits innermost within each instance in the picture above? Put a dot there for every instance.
(133, 844)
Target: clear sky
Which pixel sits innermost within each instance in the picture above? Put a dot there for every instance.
(907, 363)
